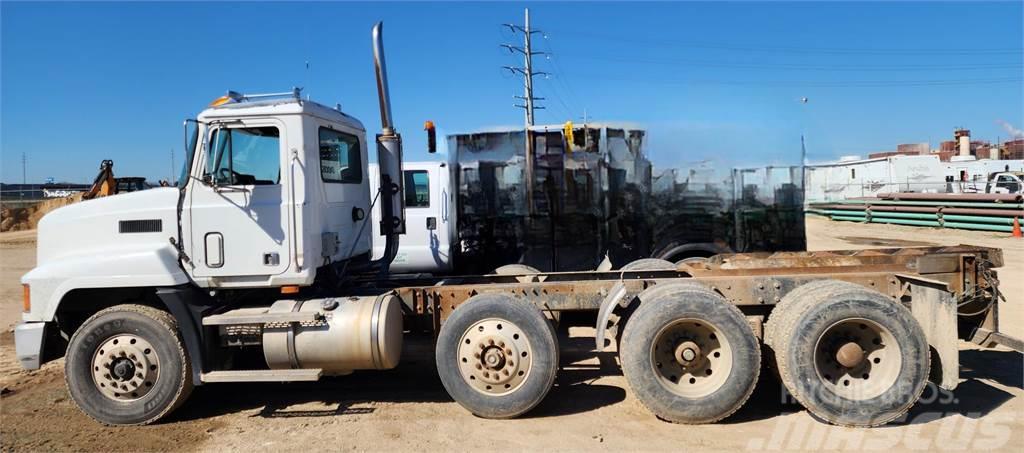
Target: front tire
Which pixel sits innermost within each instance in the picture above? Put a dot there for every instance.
(127, 365)
(497, 356)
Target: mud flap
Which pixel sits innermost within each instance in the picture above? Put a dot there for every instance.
(935, 309)
(604, 314)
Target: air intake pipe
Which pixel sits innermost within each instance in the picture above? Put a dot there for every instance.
(389, 160)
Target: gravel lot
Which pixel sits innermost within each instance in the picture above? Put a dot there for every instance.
(590, 407)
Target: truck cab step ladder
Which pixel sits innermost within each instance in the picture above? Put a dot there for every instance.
(259, 316)
(306, 375)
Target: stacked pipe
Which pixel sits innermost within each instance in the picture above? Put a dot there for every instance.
(988, 212)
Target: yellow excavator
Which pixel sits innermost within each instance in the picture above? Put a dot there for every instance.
(105, 184)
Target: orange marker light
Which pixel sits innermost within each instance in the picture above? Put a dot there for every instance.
(291, 289)
(431, 136)
(221, 101)
(26, 299)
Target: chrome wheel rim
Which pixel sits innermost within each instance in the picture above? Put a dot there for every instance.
(125, 367)
(495, 357)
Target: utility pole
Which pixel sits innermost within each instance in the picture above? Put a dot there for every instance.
(527, 72)
(24, 179)
(803, 151)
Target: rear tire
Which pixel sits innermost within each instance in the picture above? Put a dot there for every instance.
(852, 358)
(649, 264)
(516, 269)
(497, 356)
(695, 260)
(689, 356)
(794, 303)
(127, 365)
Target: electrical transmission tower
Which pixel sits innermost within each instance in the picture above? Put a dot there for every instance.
(527, 72)
(527, 69)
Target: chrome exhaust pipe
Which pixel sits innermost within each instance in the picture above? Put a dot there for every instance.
(389, 161)
(380, 66)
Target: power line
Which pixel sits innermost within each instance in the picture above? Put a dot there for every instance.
(804, 67)
(563, 75)
(790, 49)
(843, 84)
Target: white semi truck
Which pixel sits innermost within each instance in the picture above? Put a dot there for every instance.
(258, 267)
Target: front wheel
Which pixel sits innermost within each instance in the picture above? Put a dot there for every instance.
(497, 356)
(127, 365)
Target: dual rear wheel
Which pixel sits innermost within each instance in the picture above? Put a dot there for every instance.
(688, 355)
(851, 356)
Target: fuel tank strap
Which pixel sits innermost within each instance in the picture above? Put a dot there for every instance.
(292, 356)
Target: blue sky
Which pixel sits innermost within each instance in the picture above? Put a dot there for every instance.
(85, 82)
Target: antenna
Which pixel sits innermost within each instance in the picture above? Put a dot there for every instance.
(307, 80)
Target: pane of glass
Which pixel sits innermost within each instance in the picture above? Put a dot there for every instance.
(189, 154)
(340, 157)
(245, 156)
(256, 155)
(417, 189)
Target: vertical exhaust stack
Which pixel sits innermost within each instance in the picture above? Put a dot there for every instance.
(389, 159)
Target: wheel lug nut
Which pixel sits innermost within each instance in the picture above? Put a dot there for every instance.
(501, 344)
(490, 342)
(486, 374)
(508, 351)
(478, 366)
(505, 372)
(476, 355)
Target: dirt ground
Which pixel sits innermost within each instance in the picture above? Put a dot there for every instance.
(589, 409)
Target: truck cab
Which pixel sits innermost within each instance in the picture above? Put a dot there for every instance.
(426, 246)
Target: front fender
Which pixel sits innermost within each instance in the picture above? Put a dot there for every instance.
(132, 266)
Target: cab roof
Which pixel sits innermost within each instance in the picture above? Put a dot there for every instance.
(276, 107)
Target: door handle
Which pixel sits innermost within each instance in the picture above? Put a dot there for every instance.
(271, 259)
(431, 223)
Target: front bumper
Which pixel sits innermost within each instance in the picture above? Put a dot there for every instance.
(28, 343)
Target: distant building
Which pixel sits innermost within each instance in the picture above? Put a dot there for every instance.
(912, 149)
(1013, 149)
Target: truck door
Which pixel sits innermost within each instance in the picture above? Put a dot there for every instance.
(237, 209)
(425, 246)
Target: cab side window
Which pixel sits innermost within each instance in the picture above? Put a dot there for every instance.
(340, 157)
(244, 156)
(417, 189)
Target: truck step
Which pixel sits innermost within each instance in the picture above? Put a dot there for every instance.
(258, 316)
(307, 374)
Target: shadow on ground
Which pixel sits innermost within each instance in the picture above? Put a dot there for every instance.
(577, 389)
(415, 380)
